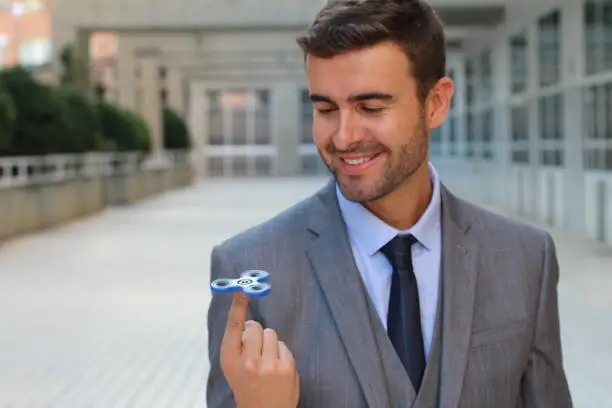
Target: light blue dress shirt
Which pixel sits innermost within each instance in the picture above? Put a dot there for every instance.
(368, 234)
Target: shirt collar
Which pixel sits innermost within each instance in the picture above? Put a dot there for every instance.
(371, 233)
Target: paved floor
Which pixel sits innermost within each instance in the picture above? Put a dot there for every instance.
(109, 312)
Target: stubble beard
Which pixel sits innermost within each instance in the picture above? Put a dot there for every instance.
(400, 166)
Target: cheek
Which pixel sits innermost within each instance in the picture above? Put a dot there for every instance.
(322, 131)
(391, 130)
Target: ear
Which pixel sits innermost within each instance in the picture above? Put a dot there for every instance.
(438, 102)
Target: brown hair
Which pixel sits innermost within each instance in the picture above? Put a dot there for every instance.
(346, 25)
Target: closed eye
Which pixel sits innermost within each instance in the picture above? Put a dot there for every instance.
(326, 110)
(372, 110)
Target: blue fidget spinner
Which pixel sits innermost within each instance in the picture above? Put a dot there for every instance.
(250, 282)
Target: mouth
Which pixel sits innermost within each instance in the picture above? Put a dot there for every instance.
(355, 164)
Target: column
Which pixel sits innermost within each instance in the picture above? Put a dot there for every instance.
(198, 123)
(81, 63)
(501, 122)
(126, 73)
(460, 109)
(534, 119)
(572, 70)
(285, 120)
(150, 104)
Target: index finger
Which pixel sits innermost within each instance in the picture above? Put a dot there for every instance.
(236, 319)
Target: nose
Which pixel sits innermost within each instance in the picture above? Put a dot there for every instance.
(348, 133)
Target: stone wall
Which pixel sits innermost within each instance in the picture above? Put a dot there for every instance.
(32, 208)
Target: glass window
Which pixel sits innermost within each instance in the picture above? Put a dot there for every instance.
(597, 124)
(470, 136)
(470, 77)
(263, 166)
(452, 136)
(549, 51)
(519, 63)
(216, 166)
(263, 135)
(487, 129)
(435, 142)
(607, 34)
(486, 75)
(598, 35)
(33, 53)
(519, 124)
(312, 164)
(451, 75)
(551, 130)
(27, 6)
(591, 37)
(239, 166)
(306, 117)
(215, 117)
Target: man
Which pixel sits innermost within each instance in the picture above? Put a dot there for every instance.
(387, 290)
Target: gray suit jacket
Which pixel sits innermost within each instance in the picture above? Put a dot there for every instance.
(499, 322)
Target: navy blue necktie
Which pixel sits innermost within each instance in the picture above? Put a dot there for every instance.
(404, 317)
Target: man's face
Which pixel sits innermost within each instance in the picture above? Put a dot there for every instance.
(369, 125)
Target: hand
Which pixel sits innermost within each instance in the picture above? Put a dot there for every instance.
(259, 368)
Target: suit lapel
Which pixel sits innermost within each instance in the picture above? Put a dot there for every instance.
(460, 270)
(334, 267)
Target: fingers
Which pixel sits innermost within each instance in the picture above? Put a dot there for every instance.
(285, 356)
(269, 352)
(252, 340)
(232, 339)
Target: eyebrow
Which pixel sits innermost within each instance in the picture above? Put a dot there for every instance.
(355, 98)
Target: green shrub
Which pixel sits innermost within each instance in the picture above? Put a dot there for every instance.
(122, 129)
(176, 132)
(8, 117)
(49, 119)
(85, 130)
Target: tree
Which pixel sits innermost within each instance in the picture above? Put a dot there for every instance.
(176, 132)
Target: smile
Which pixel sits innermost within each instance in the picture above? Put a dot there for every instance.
(355, 162)
(359, 165)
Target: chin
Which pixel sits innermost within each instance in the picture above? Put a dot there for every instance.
(359, 189)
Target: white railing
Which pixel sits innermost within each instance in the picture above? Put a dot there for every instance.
(35, 170)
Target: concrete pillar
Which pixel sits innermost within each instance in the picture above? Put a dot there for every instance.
(126, 73)
(534, 118)
(572, 68)
(285, 119)
(81, 63)
(150, 105)
(460, 106)
(64, 33)
(175, 90)
(501, 129)
(198, 123)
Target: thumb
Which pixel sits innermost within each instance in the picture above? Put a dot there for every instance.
(236, 318)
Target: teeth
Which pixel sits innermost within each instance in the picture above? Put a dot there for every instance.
(359, 161)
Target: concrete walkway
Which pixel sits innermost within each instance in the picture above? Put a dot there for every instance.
(110, 311)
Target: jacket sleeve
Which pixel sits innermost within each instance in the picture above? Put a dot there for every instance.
(218, 392)
(544, 383)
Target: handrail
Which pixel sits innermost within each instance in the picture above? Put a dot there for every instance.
(17, 171)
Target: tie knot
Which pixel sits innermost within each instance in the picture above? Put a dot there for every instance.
(399, 251)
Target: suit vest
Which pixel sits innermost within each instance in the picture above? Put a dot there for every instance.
(398, 383)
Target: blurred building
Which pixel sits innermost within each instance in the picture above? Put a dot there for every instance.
(530, 128)
(25, 33)
(26, 36)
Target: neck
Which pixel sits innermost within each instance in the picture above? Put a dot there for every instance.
(402, 208)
